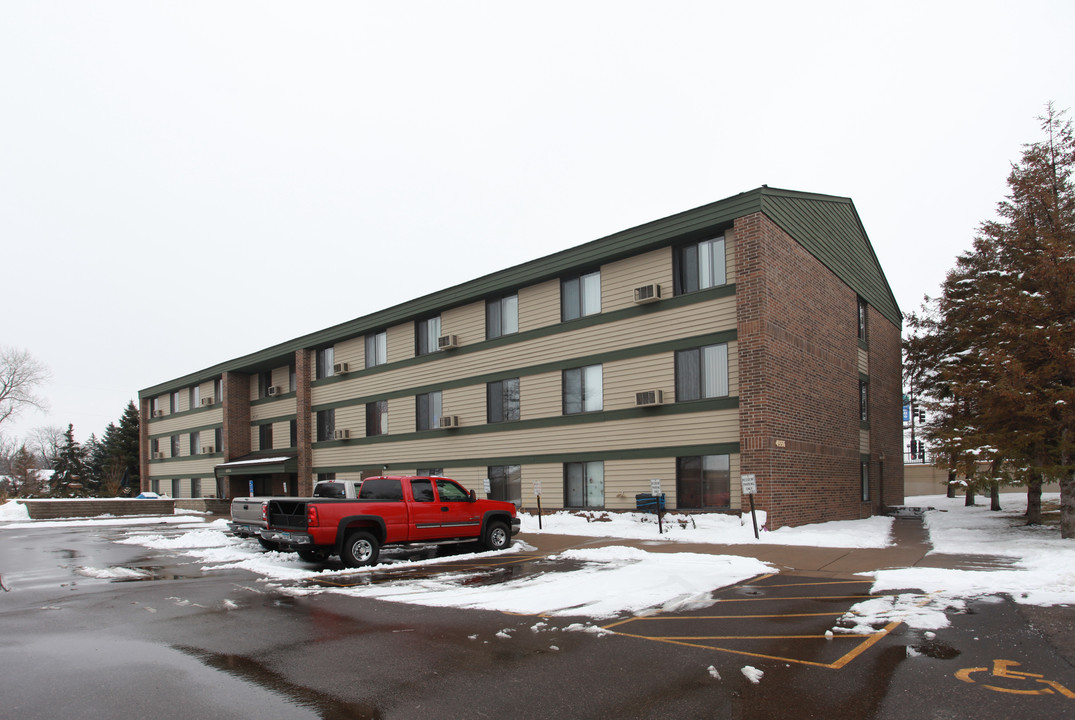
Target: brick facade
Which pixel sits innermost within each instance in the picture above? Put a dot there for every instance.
(304, 420)
(236, 435)
(798, 381)
(886, 408)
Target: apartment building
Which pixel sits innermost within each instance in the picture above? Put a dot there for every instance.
(754, 335)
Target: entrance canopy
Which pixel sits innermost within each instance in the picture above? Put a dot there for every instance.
(263, 465)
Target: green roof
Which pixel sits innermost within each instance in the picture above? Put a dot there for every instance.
(826, 226)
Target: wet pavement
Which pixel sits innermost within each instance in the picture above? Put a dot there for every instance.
(174, 642)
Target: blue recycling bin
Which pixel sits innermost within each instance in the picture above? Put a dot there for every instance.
(645, 502)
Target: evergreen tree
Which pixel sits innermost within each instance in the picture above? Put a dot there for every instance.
(69, 468)
(120, 447)
(1000, 338)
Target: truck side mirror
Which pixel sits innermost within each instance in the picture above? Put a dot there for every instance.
(473, 497)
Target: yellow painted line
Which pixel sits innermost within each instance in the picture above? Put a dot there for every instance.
(732, 617)
(729, 650)
(866, 645)
(811, 597)
(760, 637)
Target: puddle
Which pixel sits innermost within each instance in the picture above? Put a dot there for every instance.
(936, 650)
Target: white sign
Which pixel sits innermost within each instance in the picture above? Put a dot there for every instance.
(488, 486)
(537, 489)
(655, 487)
(750, 484)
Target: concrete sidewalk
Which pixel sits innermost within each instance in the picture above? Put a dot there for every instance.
(910, 548)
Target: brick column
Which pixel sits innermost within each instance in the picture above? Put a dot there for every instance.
(236, 434)
(304, 421)
(143, 444)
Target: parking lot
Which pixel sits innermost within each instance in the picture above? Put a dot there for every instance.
(180, 642)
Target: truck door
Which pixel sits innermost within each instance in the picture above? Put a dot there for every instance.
(426, 513)
(459, 516)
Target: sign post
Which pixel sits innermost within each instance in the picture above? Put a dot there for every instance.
(537, 494)
(488, 486)
(750, 489)
(655, 490)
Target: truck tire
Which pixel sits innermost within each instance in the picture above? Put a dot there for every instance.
(268, 544)
(497, 536)
(314, 556)
(360, 548)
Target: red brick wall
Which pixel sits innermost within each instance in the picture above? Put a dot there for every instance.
(886, 409)
(798, 379)
(304, 421)
(236, 434)
(143, 445)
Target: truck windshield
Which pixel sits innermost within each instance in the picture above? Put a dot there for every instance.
(330, 490)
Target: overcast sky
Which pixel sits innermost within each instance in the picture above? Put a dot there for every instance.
(167, 165)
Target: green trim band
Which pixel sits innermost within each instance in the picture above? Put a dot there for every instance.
(274, 398)
(633, 454)
(184, 413)
(199, 476)
(188, 431)
(728, 403)
(277, 419)
(186, 458)
(725, 336)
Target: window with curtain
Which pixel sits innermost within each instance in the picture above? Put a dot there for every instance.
(426, 334)
(376, 349)
(326, 425)
(583, 390)
(501, 317)
(326, 359)
(584, 484)
(702, 373)
(265, 436)
(376, 418)
(502, 400)
(506, 483)
(703, 481)
(428, 411)
(580, 296)
(699, 266)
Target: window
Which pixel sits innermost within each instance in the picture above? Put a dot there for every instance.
(502, 400)
(506, 483)
(501, 316)
(195, 397)
(264, 383)
(175, 487)
(699, 266)
(154, 406)
(175, 402)
(381, 488)
(292, 379)
(862, 319)
(155, 485)
(265, 436)
(325, 476)
(865, 469)
(195, 487)
(864, 400)
(449, 491)
(175, 446)
(703, 482)
(195, 443)
(427, 409)
(218, 438)
(154, 446)
(293, 433)
(430, 472)
(325, 359)
(326, 425)
(377, 418)
(219, 385)
(702, 373)
(584, 484)
(422, 490)
(426, 334)
(580, 296)
(376, 349)
(582, 390)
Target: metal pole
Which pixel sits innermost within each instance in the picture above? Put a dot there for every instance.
(754, 518)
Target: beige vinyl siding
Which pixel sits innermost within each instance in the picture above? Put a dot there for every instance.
(625, 378)
(273, 409)
(466, 402)
(400, 340)
(194, 465)
(352, 352)
(539, 305)
(864, 442)
(864, 362)
(351, 418)
(466, 322)
(711, 316)
(625, 478)
(207, 390)
(541, 395)
(551, 477)
(171, 425)
(438, 447)
(619, 279)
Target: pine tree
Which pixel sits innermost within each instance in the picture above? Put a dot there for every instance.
(69, 468)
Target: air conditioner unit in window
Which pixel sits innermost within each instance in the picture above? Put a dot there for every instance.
(208, 450)
(449, 421)
(272, 390)
(447, 342)
(649, 397)
(158, 413)
(339, 368)
(342, 434)
(647, 294)
(207, 401)
(158, 456)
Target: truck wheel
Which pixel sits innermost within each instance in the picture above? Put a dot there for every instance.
(497, 536)
(360, 548)
(268, 544)
(314, 556)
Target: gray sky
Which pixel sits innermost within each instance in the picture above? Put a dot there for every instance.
(164, 165)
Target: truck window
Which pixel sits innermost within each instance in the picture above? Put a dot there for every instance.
(382, 489)
(450, 492)
(329, 490)
(422, 490)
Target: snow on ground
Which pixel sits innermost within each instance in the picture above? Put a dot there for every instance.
(13, 511)
(710, 528)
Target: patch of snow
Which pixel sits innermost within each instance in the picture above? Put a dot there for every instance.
(752, 674)
(713, 673)
(114, 573)
(12, 511)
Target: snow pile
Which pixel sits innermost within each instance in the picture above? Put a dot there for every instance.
(709, 528)
(115, 573)
(12, 511)
(752, 674)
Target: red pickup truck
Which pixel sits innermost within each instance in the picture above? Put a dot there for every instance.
(388, 511)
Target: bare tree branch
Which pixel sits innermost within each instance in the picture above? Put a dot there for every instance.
(20, 376)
